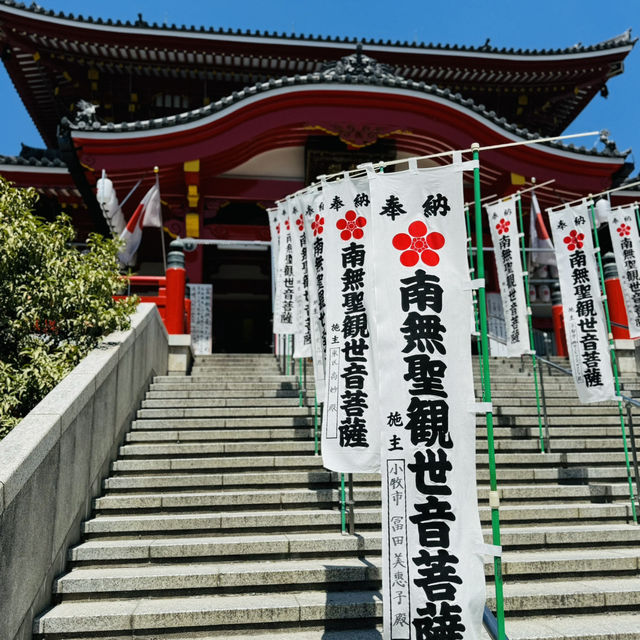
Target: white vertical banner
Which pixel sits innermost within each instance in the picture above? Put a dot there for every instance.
(302, 344)
(433, 568)
(584, 320)
(201, 296)
(274, 229)
(284, 307)
(503, 222)
(350, 427)
(314, 229)
(626, 248)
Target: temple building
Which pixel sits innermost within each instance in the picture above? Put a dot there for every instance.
(237, 120)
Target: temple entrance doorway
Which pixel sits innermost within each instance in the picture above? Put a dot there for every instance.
(240, 274)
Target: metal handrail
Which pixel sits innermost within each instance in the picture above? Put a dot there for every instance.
(490, 623)
(626, 399)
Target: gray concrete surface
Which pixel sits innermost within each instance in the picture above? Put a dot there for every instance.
(53, 462)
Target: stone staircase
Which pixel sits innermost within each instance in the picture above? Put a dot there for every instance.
(218, 521)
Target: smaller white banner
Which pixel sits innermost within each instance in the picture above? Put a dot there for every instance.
(503, 223)
(582, 304)
(201, 296)
(274, 229)
(284, 307)
(351, 427)
(302, 343)
(314, 228)
(626, 248)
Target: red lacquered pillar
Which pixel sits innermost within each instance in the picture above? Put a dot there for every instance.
(176, 284)
(557, 318)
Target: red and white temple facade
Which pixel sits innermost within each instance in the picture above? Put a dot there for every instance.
(235, 121)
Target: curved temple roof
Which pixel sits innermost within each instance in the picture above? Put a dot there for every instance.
(612, 43)
(55, 59)
(355, 69)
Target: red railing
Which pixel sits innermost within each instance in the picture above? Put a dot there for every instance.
(173, 306)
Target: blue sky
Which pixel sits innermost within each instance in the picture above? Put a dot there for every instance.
(527, 25)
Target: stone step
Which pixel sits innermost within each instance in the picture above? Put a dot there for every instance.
(207, 612)
(169, 403)
(236, 498)
(213, 480)
(587, 626)
(604, 594)
(500, 433)
(230, 612)
(254, 396)
(223, 412)
(254, 439)
(222, 463)
(221, 435)
(266, 461)
(269, 575)
(543, 543)
(262, 576)
(574, 477)
(194, 423)
(248, 388)
(296, 519)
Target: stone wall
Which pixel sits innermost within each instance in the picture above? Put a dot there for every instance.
(53, 462)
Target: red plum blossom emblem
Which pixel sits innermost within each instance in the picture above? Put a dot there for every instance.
(300, 223)
(503, 226)
(624, 230)
(351, 225)
(418, 244)
(318, 225)
(574, 240)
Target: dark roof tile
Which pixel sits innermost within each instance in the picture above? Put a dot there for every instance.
(623, 39)
(354, 69)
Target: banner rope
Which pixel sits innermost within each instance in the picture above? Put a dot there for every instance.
(591, 196)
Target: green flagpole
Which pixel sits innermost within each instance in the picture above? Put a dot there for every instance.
(315, 423)
(637, 210)
(343, 505)
(614, 362)
(472, 273)
(532, 345)
(300, 393)
(494, 499)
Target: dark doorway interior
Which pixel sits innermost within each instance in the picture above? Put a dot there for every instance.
(241, 282)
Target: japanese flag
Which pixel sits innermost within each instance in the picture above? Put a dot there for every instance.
(147, 214)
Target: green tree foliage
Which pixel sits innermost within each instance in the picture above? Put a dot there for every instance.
(55, 301)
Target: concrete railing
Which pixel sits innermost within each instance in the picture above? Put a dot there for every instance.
(53, 462)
